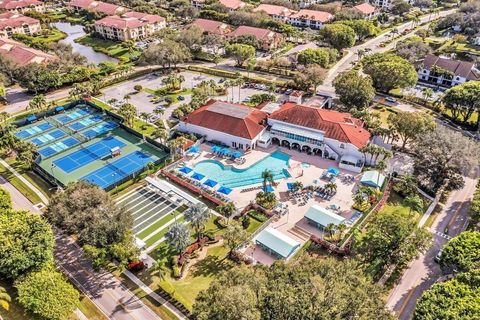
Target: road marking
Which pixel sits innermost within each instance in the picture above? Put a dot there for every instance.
(440, 234)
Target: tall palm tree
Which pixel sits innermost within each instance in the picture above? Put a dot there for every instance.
(178, 237)
(145, 116)
(198, 215)
(5, 299)
(331, 186)
(414, 203)
(38, 102)
(381, 166)
(161, 134)
(329, 229)
(128, 112)
(341, 229)
(239, 82)
(267, 177)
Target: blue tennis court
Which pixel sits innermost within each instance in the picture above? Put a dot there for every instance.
(99, 129)
(86, 122)
(32, 131)
(119, 169)
(57, 147)
(88, 154)
(73, 115)
(48, 137)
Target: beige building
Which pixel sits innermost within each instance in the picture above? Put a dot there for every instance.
(21, 6)
(15, 23)
(130, 26)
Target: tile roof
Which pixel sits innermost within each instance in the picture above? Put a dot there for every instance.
(129, 20)
(13, 20)
(321, 16)
(274, 10)
(259, 33)
(106, 8)
(365, 8)
(20, 54)
(149, 18)
(232, 4)
(14, 4)
(84, 4)
(212, 26)
(459, 68)
(336, 125)
(230, 118)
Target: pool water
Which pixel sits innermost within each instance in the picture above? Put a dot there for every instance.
(231, 177)
(305, 165)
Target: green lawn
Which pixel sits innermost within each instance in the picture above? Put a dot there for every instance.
(43, 40)
(159, 235)
(254, 225)
(111, 48)
(19, 185)
(383, 112)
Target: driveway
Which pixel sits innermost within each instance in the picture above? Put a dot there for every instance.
(423, 272)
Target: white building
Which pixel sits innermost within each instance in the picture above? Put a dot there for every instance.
(387, 4)
(309, 18)
(234, 125)
(445, 72)
(279, 13)
(308, 3)
(15, 23)
(21, 6)
(366, 10)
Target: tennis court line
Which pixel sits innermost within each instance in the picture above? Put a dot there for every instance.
(155, 206)
(162, 227)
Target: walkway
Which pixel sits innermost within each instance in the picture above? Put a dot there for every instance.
(25, 181)
(19, 201)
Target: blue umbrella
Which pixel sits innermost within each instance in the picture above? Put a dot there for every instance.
(290, 185)
(333, 170)
(237, 154)
(269, 188)
(198, 176)
(226, 151)
(210, 183)
(224, 190)
(193, 149)
(215, 149)
(185, 170)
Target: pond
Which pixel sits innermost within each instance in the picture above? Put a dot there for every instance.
(74, 32)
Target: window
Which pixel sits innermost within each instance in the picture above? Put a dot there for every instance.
(240, 145)
(234, 144)
(342, 146)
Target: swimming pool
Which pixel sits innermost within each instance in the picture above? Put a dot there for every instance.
(231, 177)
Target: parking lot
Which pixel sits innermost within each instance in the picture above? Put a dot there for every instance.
(153, 212)
(142, 100)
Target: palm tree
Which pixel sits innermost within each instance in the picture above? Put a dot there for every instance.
(341, 229)
(112, 102)
(415, 21)
(159, 270)
(361, 53)
(159, 111)
(239, 82)
(126, 97)
(330, 187)
(381, 166)
(414, 202)
(198, 215)
(427, 94)
(145, 116)
(128, 112)
(178, 237)
(267, 177)
(177, 145)
(227, 209)
(329, 229)
(161, 134)
(38, 102)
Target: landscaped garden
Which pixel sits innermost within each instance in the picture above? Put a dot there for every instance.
(122, 51)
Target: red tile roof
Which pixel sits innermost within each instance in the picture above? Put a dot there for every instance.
(212, 26)
(129, 20)
(84, 4)
(149, 18)
(314, 15)
(13, 20)
(17, 4)
(336, 125)
(259, 33)
(232, 4)
(459, 68)
(274, 10)
(365, 8)
(106, 8)
(20, 54)
(230, 118)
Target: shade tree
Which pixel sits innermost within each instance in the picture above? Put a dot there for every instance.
(462, 253)
(354, 90)
(339, 36)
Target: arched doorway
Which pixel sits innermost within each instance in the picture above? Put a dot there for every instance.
(275, 141)
(307, 149)
(296, 146)
(317, 151)
(286, 144)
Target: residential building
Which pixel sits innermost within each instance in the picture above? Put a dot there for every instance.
(309, 18)
(267, 39)
(308, 3)
(198, 3)
(327, 133)
(16, 23)
(232, 5)
(130, 26)
(366, 10)
(22, 55)
(21, 6)
(212, 26)
(234, 125)
(279, 13)
(386, 4)
(445, 72)
(105, 8)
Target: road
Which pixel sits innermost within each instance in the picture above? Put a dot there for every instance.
(19, 201)
(423, 272)
(351, 57)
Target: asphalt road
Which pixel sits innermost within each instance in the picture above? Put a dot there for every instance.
(106, 291)
(423, 272)
(19, 201)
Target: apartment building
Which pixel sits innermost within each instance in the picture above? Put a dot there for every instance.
(15, 23)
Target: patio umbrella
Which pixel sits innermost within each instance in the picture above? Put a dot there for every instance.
(210, 183)
(237, 154)
(198, 176)
(290, 185)
(224, 190)
(226, 151)
(185, 170)
(215, 148)
(269, 188)
(193, 149)
(333, 170)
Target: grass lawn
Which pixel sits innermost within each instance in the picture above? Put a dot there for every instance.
(395, 204)
(19, 185)
(384, 112)
(254, 225)
(53, 35)
(161, 222)
(90, 310)
(111, 48)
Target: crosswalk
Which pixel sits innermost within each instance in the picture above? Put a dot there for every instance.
(440, 234)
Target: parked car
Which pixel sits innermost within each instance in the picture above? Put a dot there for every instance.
(391, 99)
(288, 91)
(438, 256)
(181, 98)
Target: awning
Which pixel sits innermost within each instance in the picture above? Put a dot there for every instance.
(290, 185)
(185, 170)
(224, 190)
(237, 154)
(193, 149)
(350, 159)
(210, 183)
(268, 188)
(323, 216)
(277, 242)
(333, 170)
(304, 132)
(198, 176)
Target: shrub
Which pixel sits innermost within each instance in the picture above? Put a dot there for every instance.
(245, 222)
(176, 272)
(137, 87)
(257, 216)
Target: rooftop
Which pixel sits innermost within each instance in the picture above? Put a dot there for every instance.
(14, 4)
(13, 20)
(277, 242)
(232, 4)
(321, 16)
(259, 33)
(365, 8)
(129, 20)
(458, 68)
(212, 26)
(335, 125)
(20, 54)
(323, 216)
(230, 118)
(274, 10)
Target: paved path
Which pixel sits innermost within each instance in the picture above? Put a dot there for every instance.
(423, 272)
(19, 201)
(106, 291)
(25, 181)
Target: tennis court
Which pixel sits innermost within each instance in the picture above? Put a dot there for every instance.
(77, 145)
(153, 212)
(87, 154)
(115, 171)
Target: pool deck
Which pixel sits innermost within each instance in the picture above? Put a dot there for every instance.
(292, 224)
